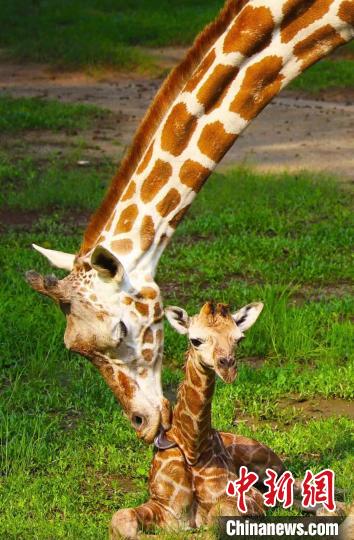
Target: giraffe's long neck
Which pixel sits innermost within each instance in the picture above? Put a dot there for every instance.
(265, 46)
(191, 424)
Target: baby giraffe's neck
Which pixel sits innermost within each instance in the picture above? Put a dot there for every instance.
(191, 426)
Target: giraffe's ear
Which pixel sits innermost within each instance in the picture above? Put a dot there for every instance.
(178, 319)
(106, 264)
(247, 316)
(59, 259)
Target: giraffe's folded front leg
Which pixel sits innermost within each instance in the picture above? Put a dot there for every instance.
(128, 522)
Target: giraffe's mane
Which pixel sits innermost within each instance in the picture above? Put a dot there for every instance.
(153, 117)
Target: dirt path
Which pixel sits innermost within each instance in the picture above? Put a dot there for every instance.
(292, 132)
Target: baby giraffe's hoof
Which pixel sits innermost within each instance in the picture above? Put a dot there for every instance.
(124, 525)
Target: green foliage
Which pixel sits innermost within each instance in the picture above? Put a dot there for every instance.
(35, 113)
(91, 33)
(326, 74)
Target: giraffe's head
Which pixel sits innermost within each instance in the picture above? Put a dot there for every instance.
(115, 320)
(214, 333)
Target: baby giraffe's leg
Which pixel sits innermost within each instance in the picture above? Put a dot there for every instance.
(171, 498)
(257, 457)
(227, 506)
(127, 523)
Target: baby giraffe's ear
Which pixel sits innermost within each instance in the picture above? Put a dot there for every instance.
(247, 316)
(178, 318)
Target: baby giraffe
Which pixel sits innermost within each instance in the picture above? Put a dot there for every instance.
(194, 463)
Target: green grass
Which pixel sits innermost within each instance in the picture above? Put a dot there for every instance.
(34, 113)
(80, 34)
(68, 457)
(325, 75)
(113, 33)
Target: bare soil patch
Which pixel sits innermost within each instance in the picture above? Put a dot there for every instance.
(21, 220)
(301, 410)
(294, 132)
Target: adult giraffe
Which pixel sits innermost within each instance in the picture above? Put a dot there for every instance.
(236, 66)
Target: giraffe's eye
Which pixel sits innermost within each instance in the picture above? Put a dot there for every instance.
(196, 342)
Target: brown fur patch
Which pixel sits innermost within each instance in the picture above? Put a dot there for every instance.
(312, 48)
(147, 233)
(126, 384)
(214, 141)
(251, 32)
(158, 177)
(148, 292)
(157, 311)
(200, 72)
(178, 130)
(192, 400)
(216, 86)
(130, 191)
(148, 336)
(261, 83)
(122, 246)
(174, 83)
(146, 160)
(178, 217)
(298, 14)
(127, 219)
(346, 12)
(147, 354)
(169, 202)
(193, 174)
(142, 308)
(159, 336)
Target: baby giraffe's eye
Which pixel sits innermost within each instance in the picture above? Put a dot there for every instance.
(196, 342)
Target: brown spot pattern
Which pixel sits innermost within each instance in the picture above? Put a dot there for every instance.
(192, 400)
(148, 292)
(312, 48)
(142, 308)
(178, 130)
(169, 202)
(129, 192)
(126, 384)
(200, 72)
(122, 246)
(147, 233)
(156, 180)
(346, 12)
(298, 14)
(157, 311)
(127, 219)
(147, 354)
(261, 83)
(178, 217)
(148, 336)
(214, 141)
(216, 86)
(146, 159)
(251, 32)
(193, 174)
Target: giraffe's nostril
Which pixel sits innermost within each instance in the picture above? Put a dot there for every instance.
(224, 362)
(138, 421)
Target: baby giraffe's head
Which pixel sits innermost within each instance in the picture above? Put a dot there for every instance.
(214, 333)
